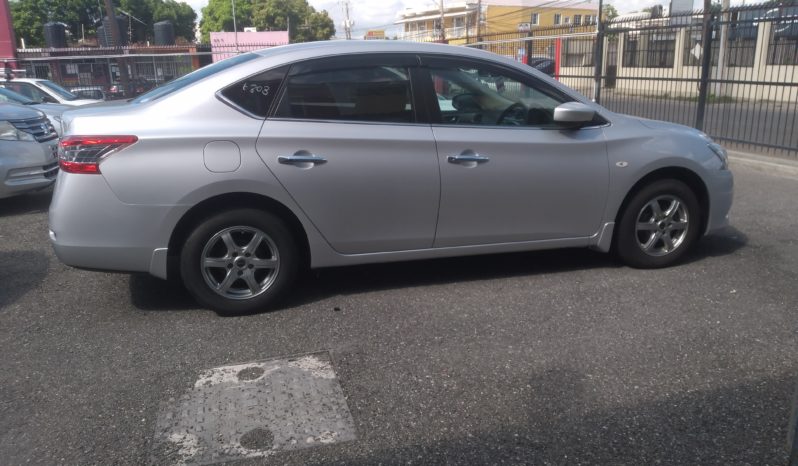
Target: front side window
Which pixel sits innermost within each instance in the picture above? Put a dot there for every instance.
(470, 95)
(58, 90)
(256, 93)
(371, 94)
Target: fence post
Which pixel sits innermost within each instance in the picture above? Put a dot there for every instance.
(598, 55)
(706, 65)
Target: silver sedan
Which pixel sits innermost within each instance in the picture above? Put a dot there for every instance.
(238, 175)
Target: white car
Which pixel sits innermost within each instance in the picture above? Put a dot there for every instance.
(45, 91)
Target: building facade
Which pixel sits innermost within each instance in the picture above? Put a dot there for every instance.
(471, 18)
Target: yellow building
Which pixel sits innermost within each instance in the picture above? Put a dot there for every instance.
(497, 16)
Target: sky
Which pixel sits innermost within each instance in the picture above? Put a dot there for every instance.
(380, 14)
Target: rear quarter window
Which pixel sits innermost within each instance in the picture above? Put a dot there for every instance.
(255, 94)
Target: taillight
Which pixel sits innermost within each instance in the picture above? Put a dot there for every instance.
(82, 154)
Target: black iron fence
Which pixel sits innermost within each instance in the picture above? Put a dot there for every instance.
(101, 67)
(743, 91)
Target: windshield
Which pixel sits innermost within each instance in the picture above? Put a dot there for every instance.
(58, 90)
(7, 95)
(193, 77)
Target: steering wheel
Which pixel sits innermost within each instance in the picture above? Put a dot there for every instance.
(516, 108)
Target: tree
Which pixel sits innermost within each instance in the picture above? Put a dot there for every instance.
(608, 12)
(306, 24)
(29, 17)
(217, 16)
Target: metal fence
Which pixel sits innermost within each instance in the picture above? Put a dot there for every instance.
(100, 67)
(743, 92)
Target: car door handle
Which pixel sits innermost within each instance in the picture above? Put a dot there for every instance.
(467, 158)
(298, 159)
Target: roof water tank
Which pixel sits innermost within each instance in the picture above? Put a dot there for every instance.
(55, 35)
(164, 33)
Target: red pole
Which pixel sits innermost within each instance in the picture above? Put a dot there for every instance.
(8, 42)
(557, 49)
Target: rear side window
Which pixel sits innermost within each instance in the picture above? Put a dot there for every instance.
(373, 94)
(256, 93)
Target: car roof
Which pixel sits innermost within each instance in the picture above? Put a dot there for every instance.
(339, 47)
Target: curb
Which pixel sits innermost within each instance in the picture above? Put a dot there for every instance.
(764, 163)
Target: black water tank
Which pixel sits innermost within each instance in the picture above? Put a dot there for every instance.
(105, 35)
(164, 33)
(55, 35)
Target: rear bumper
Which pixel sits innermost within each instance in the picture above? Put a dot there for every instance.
(91, 228)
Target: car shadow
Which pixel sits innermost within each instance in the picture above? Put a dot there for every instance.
(21, 272)
(26, 203)
(149, 293)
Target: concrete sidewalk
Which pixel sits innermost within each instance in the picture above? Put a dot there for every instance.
(765, 163)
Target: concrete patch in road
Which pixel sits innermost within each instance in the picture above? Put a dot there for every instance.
(254, 410)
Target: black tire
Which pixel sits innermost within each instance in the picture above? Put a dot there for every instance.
(209, 239)
(640, 247)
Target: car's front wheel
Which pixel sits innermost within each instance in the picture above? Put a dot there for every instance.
(659, 224)
(239, 261)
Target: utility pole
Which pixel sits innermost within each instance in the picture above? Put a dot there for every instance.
(116, 36)
(706, 64)
(348, 23)
(235, 29)
(724, 37)
(598, 55)
(479, 21)
(443, 32)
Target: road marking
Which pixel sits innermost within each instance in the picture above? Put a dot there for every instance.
(254, 410)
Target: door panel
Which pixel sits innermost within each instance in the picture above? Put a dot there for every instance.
(535, 185)
(377, 190)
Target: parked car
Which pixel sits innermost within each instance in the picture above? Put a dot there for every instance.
(89, 92)
(53, 111)
(543, 64)
(237, 175)
(44, 91)
(28, 150)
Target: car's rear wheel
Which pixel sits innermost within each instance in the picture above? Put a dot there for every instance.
(659, 224)
(239, 261)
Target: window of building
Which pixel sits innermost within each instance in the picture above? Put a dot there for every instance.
(557, 17)
(535, 19)
(567, 20)
(577, 20)
(375, 94)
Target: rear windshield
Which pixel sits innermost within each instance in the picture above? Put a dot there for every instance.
(193, 77)
(60, 91)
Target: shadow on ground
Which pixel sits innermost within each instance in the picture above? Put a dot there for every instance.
(150, 293)
(26, 204)
(21, 272)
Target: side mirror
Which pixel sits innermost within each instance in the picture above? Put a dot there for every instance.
(573, 115)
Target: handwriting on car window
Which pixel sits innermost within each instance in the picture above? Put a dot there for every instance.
(256, 88)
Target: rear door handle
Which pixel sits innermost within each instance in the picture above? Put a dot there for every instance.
(467, 157)
(301, 159)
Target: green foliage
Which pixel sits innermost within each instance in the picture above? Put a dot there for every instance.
(29, 17)
(306, 24)
(608, 12)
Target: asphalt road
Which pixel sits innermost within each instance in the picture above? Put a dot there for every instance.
(560, 357)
